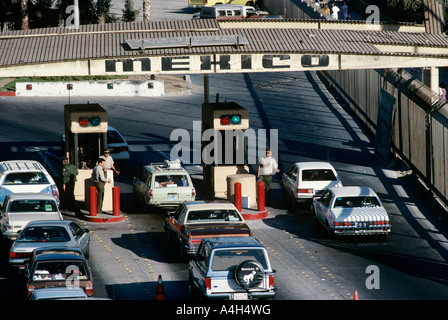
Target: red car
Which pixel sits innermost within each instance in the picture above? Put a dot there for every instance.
(194, 221)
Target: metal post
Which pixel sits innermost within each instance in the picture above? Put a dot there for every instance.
(93, 202)
(116, 201)
(238, 203)
(206, 88)
(261, 196)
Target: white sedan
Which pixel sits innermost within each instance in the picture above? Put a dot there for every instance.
(351, 211)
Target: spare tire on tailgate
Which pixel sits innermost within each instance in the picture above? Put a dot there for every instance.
(249, 274)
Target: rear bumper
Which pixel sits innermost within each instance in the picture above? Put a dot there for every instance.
(251, 295)
(358, 231)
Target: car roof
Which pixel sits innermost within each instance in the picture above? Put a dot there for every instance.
(314, 165)
(352, 191)
(209, 205)
(30, 196)
(20, 165)
(233, 241)
(59, 292)
(39, 223)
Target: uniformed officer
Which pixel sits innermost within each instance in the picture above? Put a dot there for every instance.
(69, 174)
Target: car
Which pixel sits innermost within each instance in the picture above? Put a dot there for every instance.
(231, 268)
(163, 185)
(59, 267)
(352, 211)
(227, 11)
(19, 209)
(25, 176)
(47, 233)
(194, 221)
(306, 180)
(117, 145)
(57, 293)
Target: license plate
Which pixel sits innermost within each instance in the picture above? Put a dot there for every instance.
(361, 224)
(172, 196)
(240, 296)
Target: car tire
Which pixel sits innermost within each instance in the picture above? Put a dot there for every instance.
(249, 274)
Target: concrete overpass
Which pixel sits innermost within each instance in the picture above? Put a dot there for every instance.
(211, 46)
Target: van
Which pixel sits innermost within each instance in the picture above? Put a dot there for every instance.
(225, 11)
(25, 176)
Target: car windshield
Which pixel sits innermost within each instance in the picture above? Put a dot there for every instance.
(26, 178)
(59, 270)
(228, 259)
(44, 234)
(177, 180)
(33, 206)
(318, 175)
(215, 215)
(356, 202)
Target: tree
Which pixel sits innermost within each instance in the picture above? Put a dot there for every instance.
(25, 18)
(146, 10)
(129, 13)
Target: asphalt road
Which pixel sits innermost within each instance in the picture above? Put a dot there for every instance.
(127, 257)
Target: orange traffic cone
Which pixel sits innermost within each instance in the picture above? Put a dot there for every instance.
(160, 294)
(356, 296)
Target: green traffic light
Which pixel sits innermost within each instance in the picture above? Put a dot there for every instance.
(236, 119)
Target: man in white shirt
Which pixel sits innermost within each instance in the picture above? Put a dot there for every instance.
(267, 167)
(334, 11)
(109, 161)
(99, 179)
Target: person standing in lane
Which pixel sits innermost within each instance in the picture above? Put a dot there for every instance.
(109, 161)
(99, 180)
(69, 174)
(267, 167)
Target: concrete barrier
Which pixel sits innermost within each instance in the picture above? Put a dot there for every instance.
(147, 88)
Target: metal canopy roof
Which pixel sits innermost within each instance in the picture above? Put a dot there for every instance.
(227, 46)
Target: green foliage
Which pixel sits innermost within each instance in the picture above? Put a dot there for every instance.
(129, 13)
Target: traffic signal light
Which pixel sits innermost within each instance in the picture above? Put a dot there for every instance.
(225, 116)
(231, 119)
(85, 122)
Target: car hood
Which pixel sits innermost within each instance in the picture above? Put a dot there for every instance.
(31, 246)
(217, 228)
(360, 214)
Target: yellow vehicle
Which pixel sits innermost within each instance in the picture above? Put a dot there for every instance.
(208, 3)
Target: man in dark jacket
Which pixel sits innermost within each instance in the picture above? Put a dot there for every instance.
(69, 174)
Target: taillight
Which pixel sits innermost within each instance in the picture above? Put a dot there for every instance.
(124, 149)
(208, 283)
(30, 288)
(55, 191)
(150, 193)
(16, 255)
(89, 289)
(193, 192)
(271, 281)
(305, 190)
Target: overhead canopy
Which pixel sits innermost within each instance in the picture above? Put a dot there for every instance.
(208, 46)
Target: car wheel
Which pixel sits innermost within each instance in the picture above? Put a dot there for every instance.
(249, 274)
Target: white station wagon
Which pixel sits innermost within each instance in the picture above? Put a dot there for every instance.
(351, 211)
